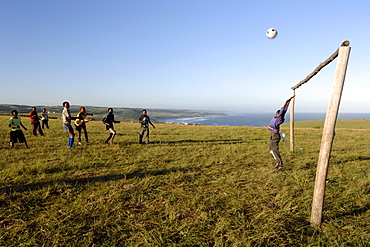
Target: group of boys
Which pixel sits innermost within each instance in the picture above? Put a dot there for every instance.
(16, 133)
(15, 123)
(108, 120)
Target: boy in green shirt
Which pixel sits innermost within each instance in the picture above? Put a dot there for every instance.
(16, 133)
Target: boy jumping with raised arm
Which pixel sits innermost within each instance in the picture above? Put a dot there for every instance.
(274, 127)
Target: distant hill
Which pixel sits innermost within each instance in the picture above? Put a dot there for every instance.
(121, 113)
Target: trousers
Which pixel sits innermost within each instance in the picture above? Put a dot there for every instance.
(274, 147)
(36, 127)
(144, 133)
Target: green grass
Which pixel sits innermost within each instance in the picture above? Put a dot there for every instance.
(192, 186)
(340, 124)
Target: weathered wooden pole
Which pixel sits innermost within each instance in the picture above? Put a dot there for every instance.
(328, 135)
(292, 122)
(305, 80)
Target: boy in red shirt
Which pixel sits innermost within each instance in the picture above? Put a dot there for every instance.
(35, 121)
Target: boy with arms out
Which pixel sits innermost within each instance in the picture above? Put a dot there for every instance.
(80, 124)
(16, 133)
(144, 120)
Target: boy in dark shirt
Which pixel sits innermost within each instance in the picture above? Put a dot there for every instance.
(144, 120)
(35, 121)
(109, 121)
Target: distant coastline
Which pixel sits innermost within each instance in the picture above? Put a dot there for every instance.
(211, 118)
(257, 119)
(121, 113)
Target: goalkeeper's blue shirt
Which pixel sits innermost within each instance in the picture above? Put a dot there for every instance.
(275, 122)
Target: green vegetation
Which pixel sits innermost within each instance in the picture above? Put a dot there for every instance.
(122, 113)
(192, 186)
(341, 123)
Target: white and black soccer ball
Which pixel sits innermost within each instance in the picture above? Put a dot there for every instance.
(271, 33)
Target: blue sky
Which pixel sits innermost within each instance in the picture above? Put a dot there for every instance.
(193, 54)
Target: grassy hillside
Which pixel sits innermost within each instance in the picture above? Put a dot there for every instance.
(193, 186)
(122, 113)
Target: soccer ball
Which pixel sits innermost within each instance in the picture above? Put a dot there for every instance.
(271, 33)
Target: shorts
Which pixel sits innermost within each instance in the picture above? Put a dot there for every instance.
(110, 128)
(80, 127)
(17, 135)
(67, 127)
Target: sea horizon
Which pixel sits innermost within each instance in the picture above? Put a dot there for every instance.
(257, 119)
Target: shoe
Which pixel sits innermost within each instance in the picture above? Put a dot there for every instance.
(279, 168)
(87, 141)
(79, 143)
(72, 147)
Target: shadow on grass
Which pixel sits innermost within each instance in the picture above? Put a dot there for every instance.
(357, 211)
(350, 159)
(83, 181)
(232, 141)
(182, 142)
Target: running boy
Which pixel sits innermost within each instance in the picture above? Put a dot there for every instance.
(16, 133)
(109, 121)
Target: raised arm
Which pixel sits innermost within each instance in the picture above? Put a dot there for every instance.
(288, 101)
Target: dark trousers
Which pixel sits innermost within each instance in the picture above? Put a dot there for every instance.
(45, 123)
(144, 132)
(274, 147)
(36, 127)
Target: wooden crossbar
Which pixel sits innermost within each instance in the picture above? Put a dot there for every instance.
(321, 65)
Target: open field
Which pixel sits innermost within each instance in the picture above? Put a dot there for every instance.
(192, 186)
(341, 124)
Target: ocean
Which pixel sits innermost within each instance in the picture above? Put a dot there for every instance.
(258, 119)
